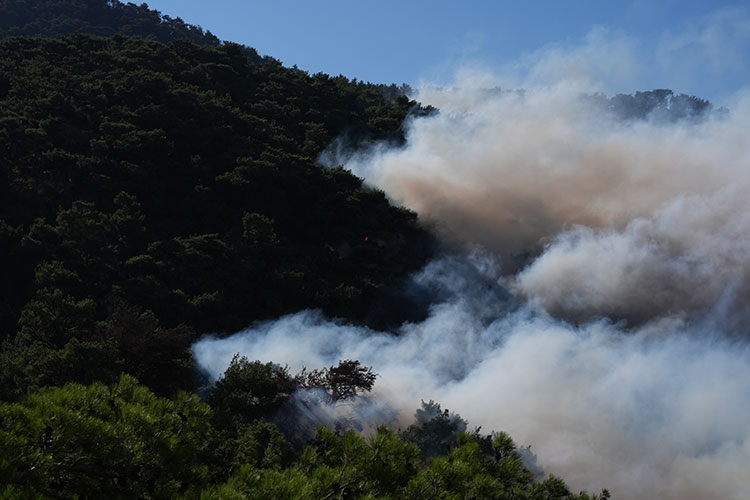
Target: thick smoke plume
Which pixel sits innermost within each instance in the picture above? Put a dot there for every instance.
(610, 208)
(604, 318)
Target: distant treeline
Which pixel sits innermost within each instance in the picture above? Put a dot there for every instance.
(54, 18)
(658, 104)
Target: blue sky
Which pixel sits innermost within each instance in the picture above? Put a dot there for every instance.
(696, 47)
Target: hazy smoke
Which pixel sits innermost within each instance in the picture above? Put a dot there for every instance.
(679, 261)
(604, 323)
(656, 412)
(306, 409)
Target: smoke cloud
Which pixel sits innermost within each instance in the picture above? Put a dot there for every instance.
(602, 315)
(659, 411)
(681, 260)
(610, 208)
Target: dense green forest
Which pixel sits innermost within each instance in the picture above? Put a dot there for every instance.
(157, 184)
(174, 188)
(122, 441)
(97, 17)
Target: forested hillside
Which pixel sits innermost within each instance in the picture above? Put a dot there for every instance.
(157, 184)
(98, 17)
(177, 183)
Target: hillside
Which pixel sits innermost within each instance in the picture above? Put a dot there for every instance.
(53, 18)
(157, 184)
(178, 180)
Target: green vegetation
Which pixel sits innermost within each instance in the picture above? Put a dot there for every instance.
(152, 192)
(97, 17)
(118, 441)
(122, 441)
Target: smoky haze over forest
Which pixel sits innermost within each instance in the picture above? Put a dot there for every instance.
(592, 298)
(226, 277)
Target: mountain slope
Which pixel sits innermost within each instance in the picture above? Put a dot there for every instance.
(178, 181)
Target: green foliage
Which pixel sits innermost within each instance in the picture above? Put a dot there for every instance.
(159, 357)
(387, 467)
(15, 282)
(259, 444)
(118, 441)
(435, 431)
(177, 182)
(27, 366)
(62, 341)
(98, 17)
(249, 391)
(122, 441)
(340, 382)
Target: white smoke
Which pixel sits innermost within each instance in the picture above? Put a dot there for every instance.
(683, 259)
(660, 411)
(507, 169)
(614, 341)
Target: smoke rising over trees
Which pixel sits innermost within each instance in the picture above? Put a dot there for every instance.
(158, 186)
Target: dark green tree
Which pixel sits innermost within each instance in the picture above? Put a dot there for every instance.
(248, 391)
(343, 381)
(118, 441)
(435, 431)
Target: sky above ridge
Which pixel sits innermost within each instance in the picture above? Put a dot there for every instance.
(696, 47)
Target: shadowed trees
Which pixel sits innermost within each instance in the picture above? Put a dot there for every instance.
(178, 182)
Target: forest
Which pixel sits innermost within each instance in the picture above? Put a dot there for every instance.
(158, 184)
(173, 188)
